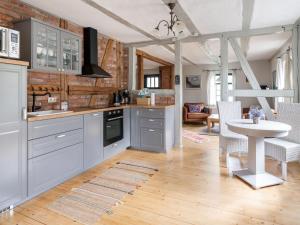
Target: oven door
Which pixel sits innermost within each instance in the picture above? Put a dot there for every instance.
(3, 42)
(113, 130)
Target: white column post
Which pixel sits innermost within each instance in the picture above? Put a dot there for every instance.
(132, 79)
(178, 94)
(296, 72)
(224, 69)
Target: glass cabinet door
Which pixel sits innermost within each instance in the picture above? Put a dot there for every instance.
(52, 46)
(70, 52)
(41, 46)
(46, 42)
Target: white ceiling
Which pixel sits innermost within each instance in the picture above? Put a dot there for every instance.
(209, 16)
(149, 65)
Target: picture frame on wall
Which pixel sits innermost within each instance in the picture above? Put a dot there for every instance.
(193, 82)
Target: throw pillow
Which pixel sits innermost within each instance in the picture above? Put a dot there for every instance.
(193, 108)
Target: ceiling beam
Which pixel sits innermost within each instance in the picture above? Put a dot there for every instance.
(248, 7)
(180, 12)
(130, 25)
(153, 58)
(229, 34)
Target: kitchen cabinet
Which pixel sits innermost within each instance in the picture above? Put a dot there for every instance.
(93, 139)
(55, 152)
(49, 48)
(152, 129)
(13, 133)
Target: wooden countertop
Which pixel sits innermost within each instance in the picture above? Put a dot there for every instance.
(82, 111)
(14, 62)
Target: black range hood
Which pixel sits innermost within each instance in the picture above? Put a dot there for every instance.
(90, 67)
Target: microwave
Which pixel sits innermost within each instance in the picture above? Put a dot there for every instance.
(9, 43)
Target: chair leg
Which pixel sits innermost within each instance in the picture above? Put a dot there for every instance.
(284, 170)
(228, 164)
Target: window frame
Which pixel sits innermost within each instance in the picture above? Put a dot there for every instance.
(146, 76)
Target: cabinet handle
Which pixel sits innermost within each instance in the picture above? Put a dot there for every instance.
(61, 136)
(151, 130)
(96, 114)
(151, 120)
(24, 113)
(108, 126)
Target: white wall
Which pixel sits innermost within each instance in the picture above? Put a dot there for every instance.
(262, 70)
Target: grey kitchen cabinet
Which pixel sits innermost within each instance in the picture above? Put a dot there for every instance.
(51, 169)
(123, 144)
(13, 133)
(93, 139)
(152, 129)
(49, 48)
(55, 152)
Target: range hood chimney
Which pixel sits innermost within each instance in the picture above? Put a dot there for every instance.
(90, 67)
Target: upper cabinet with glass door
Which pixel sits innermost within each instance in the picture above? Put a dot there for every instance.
(48, 48)
(70, 52)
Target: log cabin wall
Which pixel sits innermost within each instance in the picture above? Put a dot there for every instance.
(115, 60)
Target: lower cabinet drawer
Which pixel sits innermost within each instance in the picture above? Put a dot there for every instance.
(52, 143)
(152, 123)
(47, 171)
(152, 113)
(45, 128)
(152, 139)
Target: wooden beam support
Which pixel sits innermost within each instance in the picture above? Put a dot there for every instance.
(261, 93)
(248, 7)
(224, 69)
(229, 34)
(296, 63)
(251, 76)
(89, 90)
(132, 78)
(152, 58)
(178, 94)
(140, 71)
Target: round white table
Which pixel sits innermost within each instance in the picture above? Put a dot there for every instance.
(256, 175)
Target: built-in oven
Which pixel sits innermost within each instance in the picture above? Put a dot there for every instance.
(9, 43)
(112, 126)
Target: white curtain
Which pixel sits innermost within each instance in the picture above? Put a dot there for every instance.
(284, 76)
(211, 89)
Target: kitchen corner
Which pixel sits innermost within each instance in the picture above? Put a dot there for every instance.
(47, 145)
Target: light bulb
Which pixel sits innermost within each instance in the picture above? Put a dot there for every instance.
(178, 27)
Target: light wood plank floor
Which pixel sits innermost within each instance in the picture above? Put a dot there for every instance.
(191, 187)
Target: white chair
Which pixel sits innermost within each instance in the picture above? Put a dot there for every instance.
(286, 149)
(230, 142)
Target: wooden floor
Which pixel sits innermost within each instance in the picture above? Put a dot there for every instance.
(191, 187)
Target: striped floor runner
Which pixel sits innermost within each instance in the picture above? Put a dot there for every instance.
(86, 203)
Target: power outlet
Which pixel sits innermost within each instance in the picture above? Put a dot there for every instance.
(52, 100)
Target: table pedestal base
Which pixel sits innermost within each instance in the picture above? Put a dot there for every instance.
(257, 180)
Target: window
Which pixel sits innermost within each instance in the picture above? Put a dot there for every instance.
(152, 81)
(218, 86)
(214, 87)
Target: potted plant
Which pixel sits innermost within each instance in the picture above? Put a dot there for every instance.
(256, 114)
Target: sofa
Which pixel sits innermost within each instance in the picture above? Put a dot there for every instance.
(195, 112)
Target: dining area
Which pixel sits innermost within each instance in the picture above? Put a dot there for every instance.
(257, 139)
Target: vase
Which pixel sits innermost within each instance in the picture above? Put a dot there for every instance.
(256, 120)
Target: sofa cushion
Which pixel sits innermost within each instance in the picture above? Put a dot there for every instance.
(197, 115)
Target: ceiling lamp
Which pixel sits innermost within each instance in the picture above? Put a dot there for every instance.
(174, 27)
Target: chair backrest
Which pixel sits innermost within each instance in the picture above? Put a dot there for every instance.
(289, 113)
(228, 111)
